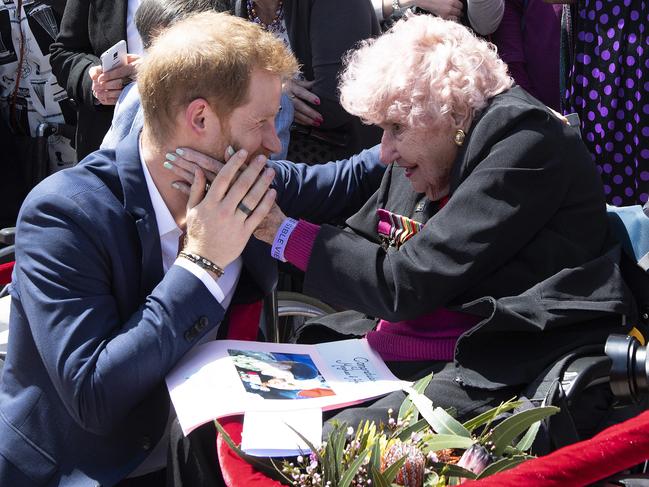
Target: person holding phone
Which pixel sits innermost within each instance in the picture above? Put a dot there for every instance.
(89, 29)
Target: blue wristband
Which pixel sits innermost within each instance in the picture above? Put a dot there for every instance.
(281, 238)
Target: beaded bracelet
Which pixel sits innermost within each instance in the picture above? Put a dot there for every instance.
(203, 263)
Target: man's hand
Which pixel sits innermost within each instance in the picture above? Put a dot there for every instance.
(106, 87)
(185, 167)
(217, 228)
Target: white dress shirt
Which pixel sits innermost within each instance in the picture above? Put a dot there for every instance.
(133, 39)
(222, 290)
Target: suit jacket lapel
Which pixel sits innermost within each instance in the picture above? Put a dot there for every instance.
(138, 204)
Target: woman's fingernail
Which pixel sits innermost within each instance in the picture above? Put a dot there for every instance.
(171, 157)
(180, 152)
(317, 123)
(317, 101)
(230, 150)
(168, 165)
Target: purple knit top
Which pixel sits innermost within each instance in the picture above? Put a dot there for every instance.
(429, 337)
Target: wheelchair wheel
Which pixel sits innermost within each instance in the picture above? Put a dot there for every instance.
(297, 304)
(293, 309)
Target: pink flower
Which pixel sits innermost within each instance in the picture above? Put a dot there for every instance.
(475, 459)
(412, 472)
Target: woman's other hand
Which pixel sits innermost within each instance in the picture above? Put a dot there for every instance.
(184, 162)
(269, 226)
(106, 87)
(298, 92)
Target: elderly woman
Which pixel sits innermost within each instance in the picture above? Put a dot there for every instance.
(484, 255)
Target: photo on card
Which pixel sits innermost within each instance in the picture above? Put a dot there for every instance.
(279, 375)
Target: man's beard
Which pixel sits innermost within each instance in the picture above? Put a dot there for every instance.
(227, 137)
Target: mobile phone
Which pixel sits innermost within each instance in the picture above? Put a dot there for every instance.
(114, 57)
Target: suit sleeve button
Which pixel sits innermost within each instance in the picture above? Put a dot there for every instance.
(202, 323)
(146, 443)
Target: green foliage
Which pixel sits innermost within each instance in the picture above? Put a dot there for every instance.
(449, 469)
(504, 433)
(488, 416)
(503, 464)
(434, 442)
(357, 458)
(405, 433)
(391, 472)
(407, 409)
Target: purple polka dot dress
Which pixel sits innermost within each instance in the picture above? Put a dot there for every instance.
(609, 89)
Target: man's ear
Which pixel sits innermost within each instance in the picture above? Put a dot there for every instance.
(199, 116)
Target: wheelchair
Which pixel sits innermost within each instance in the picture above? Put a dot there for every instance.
(622, 362)
(619, 367)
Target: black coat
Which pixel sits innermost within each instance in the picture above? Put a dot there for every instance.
(88, 28)
(523, 243)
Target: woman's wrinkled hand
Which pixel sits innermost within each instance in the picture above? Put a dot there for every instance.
(269, 226)
(106, 87)
(184, 162)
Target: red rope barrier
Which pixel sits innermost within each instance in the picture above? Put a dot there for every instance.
(611, 451)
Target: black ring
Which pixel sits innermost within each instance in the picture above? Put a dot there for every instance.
(244, 209)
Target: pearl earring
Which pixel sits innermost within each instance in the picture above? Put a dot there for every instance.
(459, 136)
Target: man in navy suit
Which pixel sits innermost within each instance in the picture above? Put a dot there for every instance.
(102, 308)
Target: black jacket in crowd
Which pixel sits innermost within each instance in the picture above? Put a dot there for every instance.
(88, 28)
(523, 243)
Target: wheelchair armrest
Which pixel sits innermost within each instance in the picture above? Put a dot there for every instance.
(297, 304)
(45, 129)
(8, 236)
(284, 304)
(585, 371)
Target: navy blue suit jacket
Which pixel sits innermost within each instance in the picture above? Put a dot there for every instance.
(95, 325)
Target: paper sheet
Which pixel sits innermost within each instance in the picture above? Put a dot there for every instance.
(267, 433)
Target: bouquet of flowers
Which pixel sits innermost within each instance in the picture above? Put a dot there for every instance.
(422, 446)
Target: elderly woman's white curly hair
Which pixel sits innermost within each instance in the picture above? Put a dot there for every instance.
(422, 72)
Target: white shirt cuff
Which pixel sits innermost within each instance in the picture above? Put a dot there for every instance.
(205, 277)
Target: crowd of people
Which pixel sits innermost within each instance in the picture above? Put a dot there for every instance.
(236, 138)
